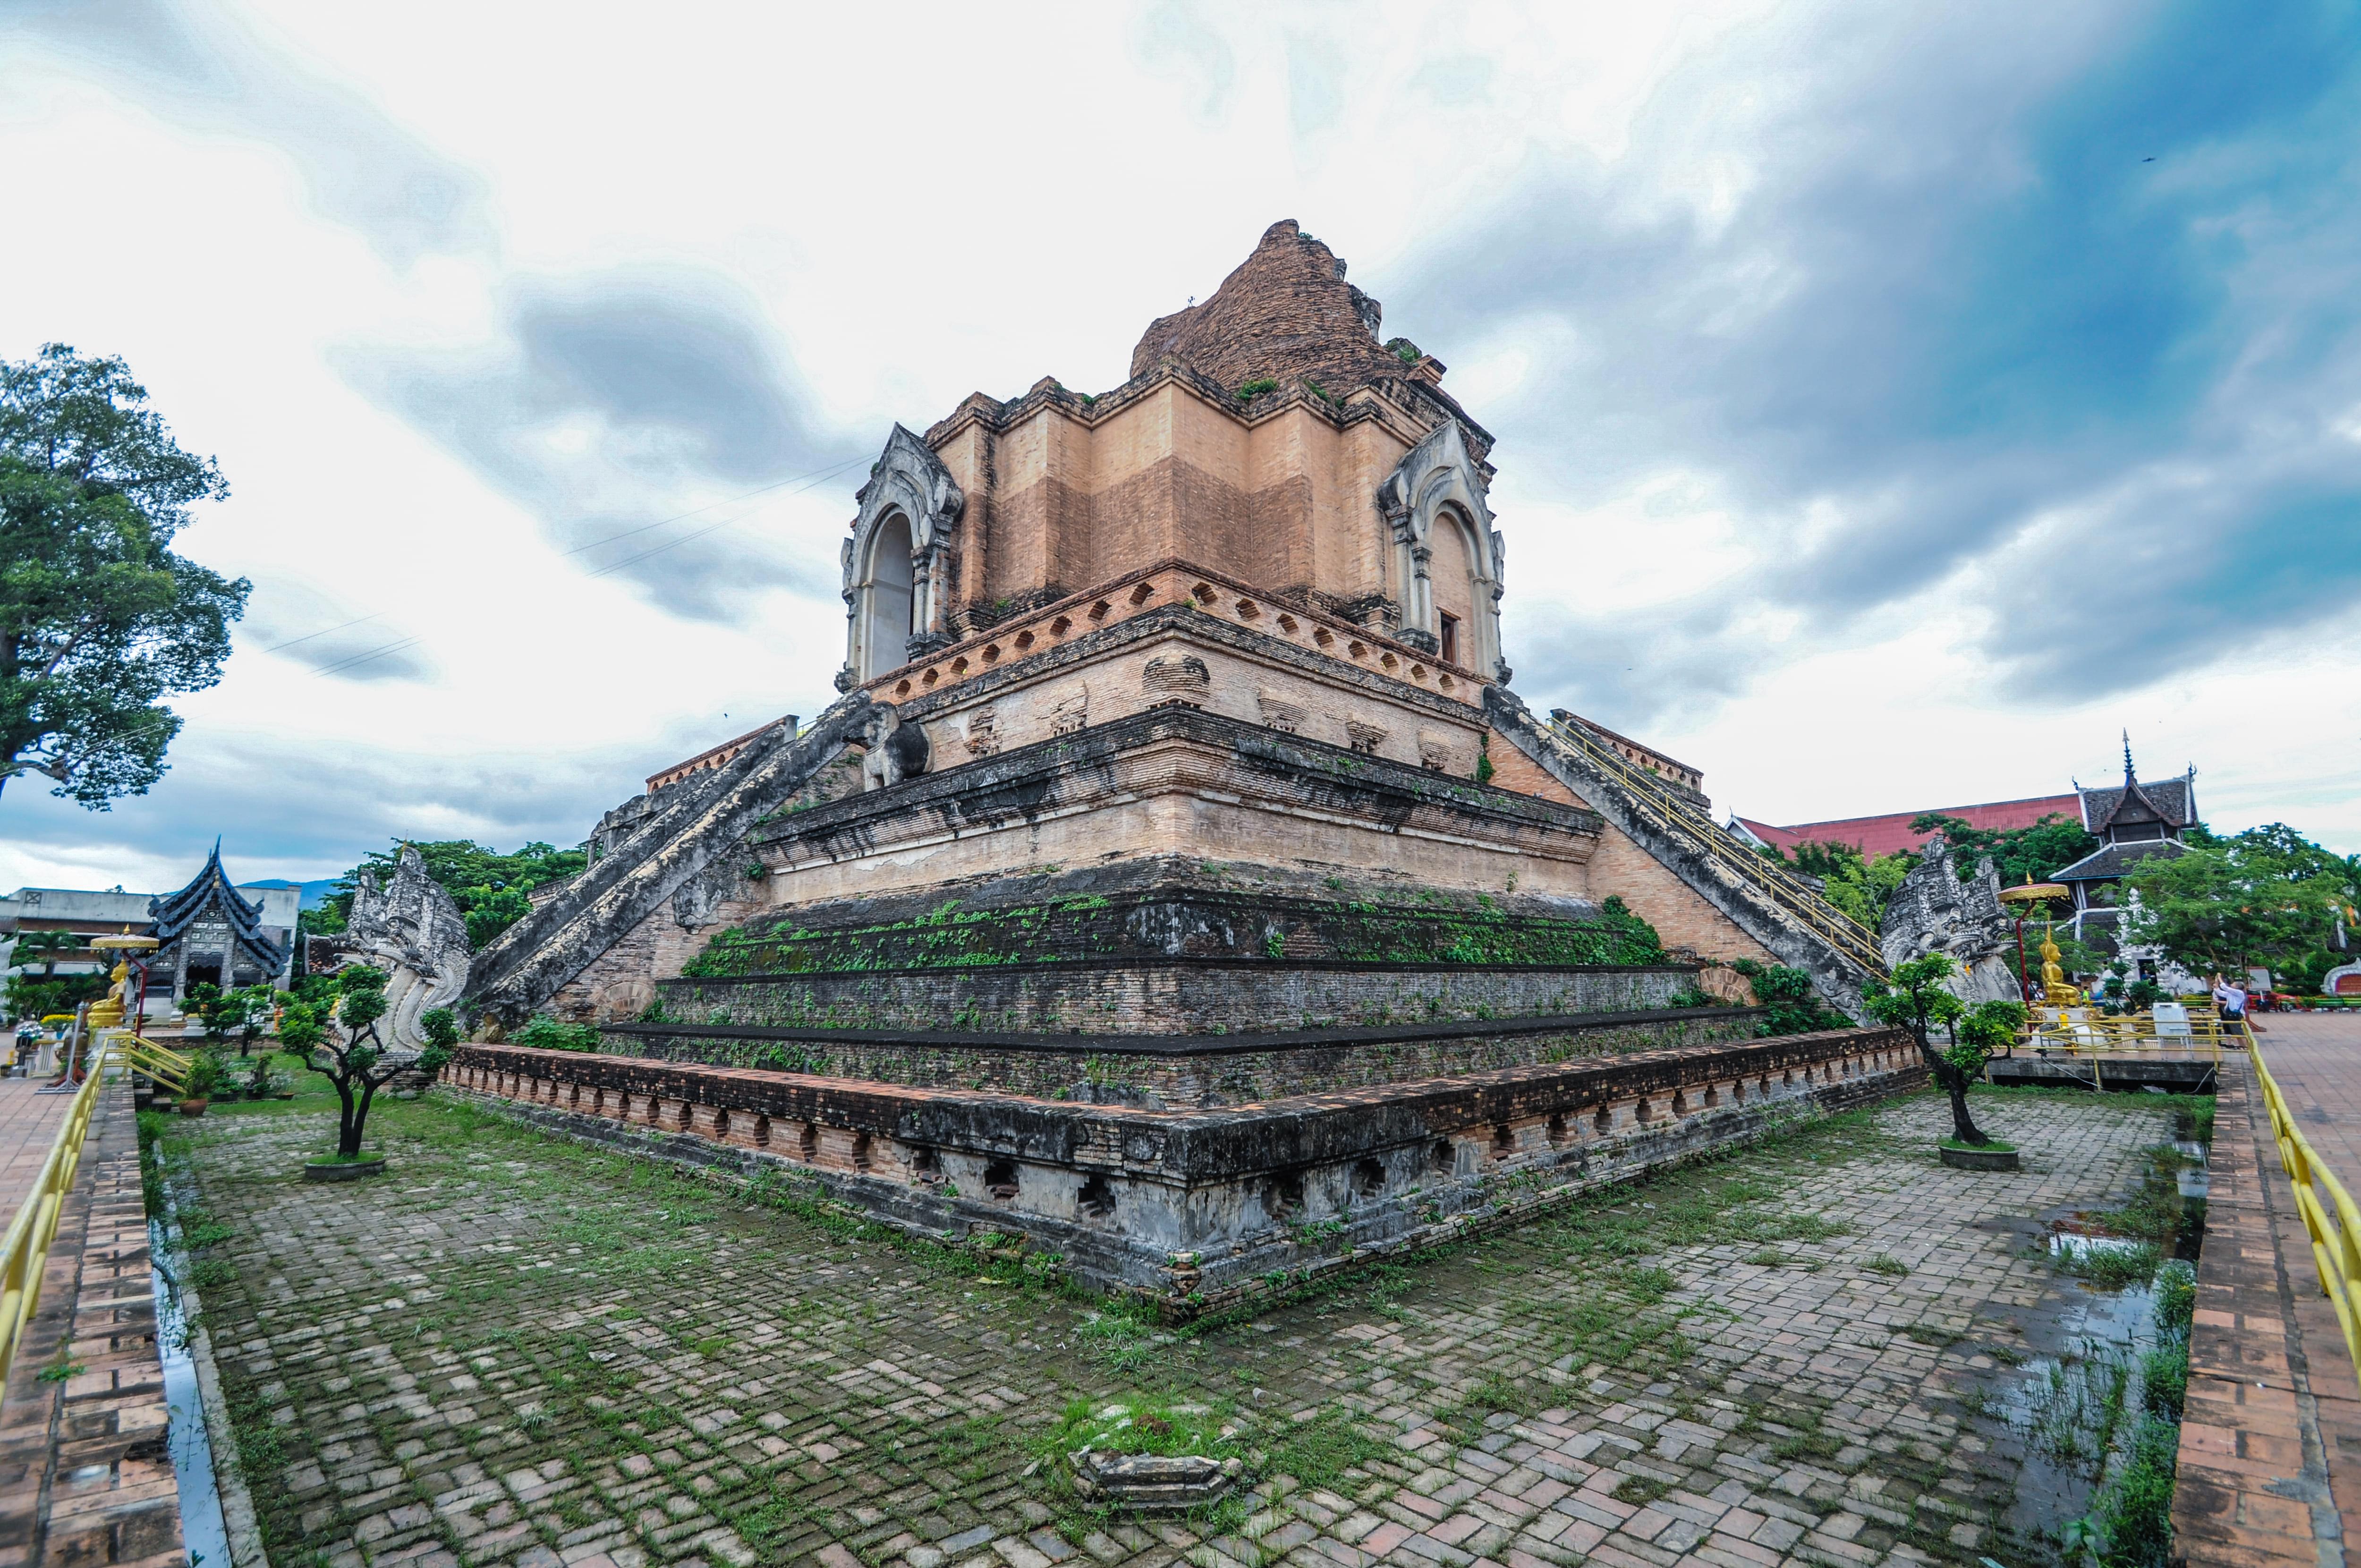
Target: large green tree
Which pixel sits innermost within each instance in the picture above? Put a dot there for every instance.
(2049, 846)
(489, 888)
(2268, 896)
(99, 620)
(1855, 883)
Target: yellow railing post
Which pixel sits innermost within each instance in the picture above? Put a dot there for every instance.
(25, 1251)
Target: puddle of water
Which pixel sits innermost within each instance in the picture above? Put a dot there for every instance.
(2055, 1404)
(2084, 1346)
(202, 1530)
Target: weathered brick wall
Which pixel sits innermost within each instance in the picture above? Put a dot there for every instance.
(1665, 901)
(1147, 996)
(1192, 1208)
(1179, 1074)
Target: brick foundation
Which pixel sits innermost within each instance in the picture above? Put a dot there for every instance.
(1187, 1072)
(1193, 1209)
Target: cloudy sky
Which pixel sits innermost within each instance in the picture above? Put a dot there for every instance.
(1894, 403)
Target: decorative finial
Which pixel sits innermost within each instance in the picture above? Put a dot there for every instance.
(2127, 754)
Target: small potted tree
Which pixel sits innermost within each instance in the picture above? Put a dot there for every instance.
(197, 1089)
(347, 1049)
(1915, 998)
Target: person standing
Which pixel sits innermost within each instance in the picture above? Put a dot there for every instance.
(2231, 998)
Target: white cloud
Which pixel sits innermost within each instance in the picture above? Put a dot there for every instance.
(452, 291)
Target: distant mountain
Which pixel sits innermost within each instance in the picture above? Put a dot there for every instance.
(315, 893)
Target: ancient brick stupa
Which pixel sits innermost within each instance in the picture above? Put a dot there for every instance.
(1178, 867)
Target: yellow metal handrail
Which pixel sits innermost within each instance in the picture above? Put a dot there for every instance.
(165, 1065)
(25, 1251)
(1840, 930)
(2335, 1249)
(2098, 1033)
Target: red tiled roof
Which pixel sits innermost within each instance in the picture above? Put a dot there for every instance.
(1875, 836)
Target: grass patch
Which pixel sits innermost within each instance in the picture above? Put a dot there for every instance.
(1120, 1338)
(1319, 1452)
(1140, 1425)
(2074, 1408)
(2131, 1526)
(1885, 1263)
(2115, 1268)
(1807, 1439)
(2130, 1521)
(2157, 1212)
(1496, 1395)
(1990, 1145)
(1639, 1491)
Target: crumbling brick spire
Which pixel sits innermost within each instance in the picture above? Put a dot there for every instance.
(1285, 314)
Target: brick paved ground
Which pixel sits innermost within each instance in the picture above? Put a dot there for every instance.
(85, 1474)
(29, 1125)
(2316, 1058)
(514, 1349)
(2270, 1454)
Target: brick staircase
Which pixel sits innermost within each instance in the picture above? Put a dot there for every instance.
(687, 827)
(1766, 900)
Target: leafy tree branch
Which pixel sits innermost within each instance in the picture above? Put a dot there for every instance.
(99, 620)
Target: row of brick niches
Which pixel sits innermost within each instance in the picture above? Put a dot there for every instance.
(1197, 1207)
(1185, 1072)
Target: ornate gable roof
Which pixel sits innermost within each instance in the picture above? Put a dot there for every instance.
(2112, 862)
(2170, 802)
(174, 913)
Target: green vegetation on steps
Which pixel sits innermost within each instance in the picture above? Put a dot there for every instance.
(543, 1033)
(952, 936)
(1795, 1004)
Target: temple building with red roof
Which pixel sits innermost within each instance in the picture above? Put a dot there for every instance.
(1891, 833)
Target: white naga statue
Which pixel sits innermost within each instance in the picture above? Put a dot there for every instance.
(1935, 912)
(412, 930)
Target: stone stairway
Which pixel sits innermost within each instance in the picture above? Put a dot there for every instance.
(685, 829)
(1769, 903)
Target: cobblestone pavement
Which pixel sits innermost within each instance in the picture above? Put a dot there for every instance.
(514, 1350)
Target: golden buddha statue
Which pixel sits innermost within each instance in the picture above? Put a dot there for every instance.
(2055, 992)
(106, 1013)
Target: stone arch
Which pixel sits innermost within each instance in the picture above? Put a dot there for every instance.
(882, 625)
(1439, 487)
(1452, 571)
(904, 540)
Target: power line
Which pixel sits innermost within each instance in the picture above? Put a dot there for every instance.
(343, 665)
(711, 528)
(726, 501)
(309, 635)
